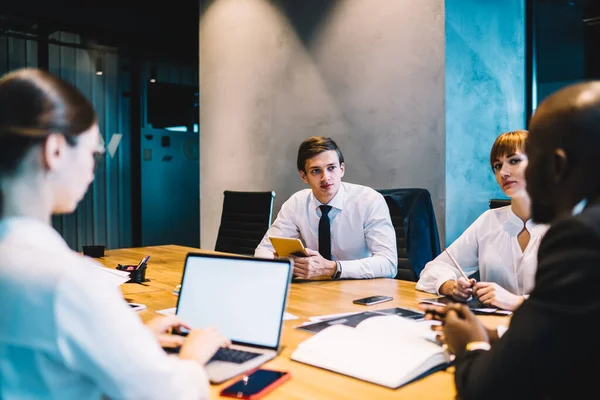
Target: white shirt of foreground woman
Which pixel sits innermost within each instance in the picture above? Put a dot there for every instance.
(67, 333)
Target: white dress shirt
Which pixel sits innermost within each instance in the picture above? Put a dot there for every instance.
(491, 246)
(363, 239)
(66, 331)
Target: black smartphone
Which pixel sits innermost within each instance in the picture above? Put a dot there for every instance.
(137, 307)
(369, 301)
(256, 385)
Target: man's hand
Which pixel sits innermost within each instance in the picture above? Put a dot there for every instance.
(440, 313)
(495, 295)
(461, 327)
(313, 266)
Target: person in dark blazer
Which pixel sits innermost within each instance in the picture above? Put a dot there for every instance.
(550, 350)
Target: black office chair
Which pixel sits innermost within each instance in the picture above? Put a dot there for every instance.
(245, 219)
(417, 236)
(496, 203)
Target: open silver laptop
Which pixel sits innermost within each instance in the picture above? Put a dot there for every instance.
(244, 298)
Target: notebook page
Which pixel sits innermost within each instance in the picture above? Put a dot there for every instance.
(381, 358)
(394, 325)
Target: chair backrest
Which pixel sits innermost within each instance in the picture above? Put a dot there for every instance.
(417, 237)
(496, 203)
(245, 218)
(405, 270)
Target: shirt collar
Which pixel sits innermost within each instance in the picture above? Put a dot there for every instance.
(337, 201)
(579, 206)
(514, 224)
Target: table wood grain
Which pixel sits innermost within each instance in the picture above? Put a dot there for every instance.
(305, 299)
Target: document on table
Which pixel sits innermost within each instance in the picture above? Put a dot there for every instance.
(319, 318)
(287, 316)
(167, 311)
(116, 276)
(355, 319)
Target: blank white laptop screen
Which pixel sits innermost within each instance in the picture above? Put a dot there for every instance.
(243, 298)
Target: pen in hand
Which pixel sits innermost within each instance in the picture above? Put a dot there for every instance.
(459, 268)
(462, 272)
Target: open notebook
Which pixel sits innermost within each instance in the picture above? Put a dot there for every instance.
(386, 350)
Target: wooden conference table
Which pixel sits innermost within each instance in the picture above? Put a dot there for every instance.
(165, 268)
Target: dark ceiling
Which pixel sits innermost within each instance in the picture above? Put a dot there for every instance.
(169, 29)
(567, 36)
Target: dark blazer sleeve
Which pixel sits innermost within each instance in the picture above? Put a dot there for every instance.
(539, 356)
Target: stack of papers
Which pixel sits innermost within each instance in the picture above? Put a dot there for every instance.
(116, 276)
(352, 319)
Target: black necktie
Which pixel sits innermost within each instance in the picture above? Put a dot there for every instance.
(325, 233)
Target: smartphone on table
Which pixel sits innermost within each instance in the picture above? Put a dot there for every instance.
(137, 306)
(369, 301)
(256, 385)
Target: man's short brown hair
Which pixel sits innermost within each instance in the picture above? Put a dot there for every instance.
(315, 145)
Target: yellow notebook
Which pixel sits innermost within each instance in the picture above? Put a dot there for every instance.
(284, 247)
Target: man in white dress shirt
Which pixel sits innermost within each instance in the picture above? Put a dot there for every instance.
(346, 228)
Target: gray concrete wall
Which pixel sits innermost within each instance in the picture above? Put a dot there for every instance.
(485, 96)
(368, 73)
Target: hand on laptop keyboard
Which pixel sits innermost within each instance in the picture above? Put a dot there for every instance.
(161, 325)
(201, 344)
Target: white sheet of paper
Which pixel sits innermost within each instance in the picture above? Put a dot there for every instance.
(319, 318)
(117, 276)
(287, 316)
(486, 310)
(167, 311)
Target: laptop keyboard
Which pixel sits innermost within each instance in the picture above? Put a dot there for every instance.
(224, 354)
(234, 356)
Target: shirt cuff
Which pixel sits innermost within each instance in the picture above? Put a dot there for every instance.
(501, 330)
(351, 269)
(365, 268)
(198, 387)
(263, 252)
(189, 380)
(443, 280)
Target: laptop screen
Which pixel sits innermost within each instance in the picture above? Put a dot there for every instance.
(243, 297)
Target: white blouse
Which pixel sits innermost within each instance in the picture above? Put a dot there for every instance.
(66, 332)
(489, 245)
